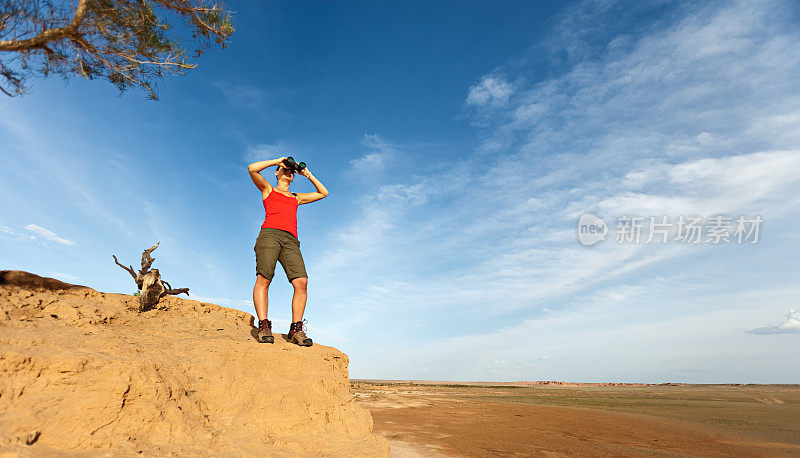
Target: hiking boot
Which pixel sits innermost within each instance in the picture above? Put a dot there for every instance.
(265, 331)
(296, 335)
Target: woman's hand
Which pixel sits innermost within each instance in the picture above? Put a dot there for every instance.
(305, 172)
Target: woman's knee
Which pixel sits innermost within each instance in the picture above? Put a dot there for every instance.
(300, 283)
(261, 281)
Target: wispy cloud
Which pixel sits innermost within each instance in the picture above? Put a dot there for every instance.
(492, 90)
(623, 100)
(381, 155)
(48, 234)
(15, 234)
(790, 326)
(44, 235)
(743, 183)
(529, 245)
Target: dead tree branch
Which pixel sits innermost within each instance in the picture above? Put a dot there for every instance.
(149, 282)
(129, 269)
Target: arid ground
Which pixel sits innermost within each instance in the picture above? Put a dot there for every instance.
(439, 419)
(85, 373)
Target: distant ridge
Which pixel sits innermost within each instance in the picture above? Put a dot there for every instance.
(550, 382)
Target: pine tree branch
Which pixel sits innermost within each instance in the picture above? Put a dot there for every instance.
(49, 35)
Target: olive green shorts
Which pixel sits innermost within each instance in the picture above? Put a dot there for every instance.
(276, 245)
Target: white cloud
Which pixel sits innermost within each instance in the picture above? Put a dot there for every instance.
(705, 138)
(791, 325)
(15, 234)
(492, 90)
(506, 243)
(710, 186)
(370, 162)
(48, 235)
(404, 194)
(381, 155)
(661, 91)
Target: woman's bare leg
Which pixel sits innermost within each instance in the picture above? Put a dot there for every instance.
(260, 300)
(299, 298)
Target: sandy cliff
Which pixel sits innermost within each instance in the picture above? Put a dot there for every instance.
(82, 373)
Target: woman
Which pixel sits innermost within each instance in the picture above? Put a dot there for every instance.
(278, 241)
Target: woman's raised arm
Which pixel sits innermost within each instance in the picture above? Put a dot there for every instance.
(257, 167)
(308, 197)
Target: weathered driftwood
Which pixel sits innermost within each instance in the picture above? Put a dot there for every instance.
(149, 282)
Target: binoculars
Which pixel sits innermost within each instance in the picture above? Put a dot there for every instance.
(295, 167)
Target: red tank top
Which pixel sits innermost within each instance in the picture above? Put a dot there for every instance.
(280, 212)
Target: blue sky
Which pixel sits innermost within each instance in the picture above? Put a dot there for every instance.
(460, 142)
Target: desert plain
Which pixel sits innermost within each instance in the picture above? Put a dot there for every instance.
(569, 419)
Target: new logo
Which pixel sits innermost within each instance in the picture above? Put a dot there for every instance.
(591, 229)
